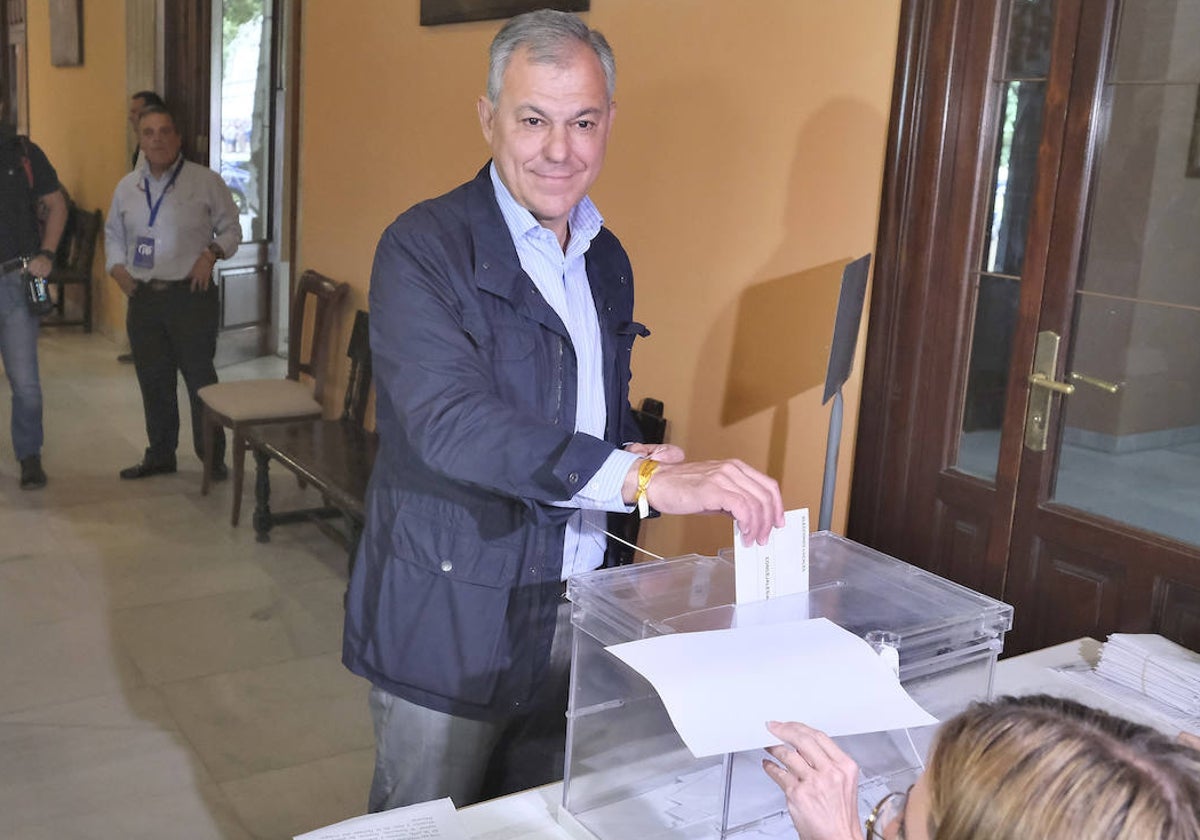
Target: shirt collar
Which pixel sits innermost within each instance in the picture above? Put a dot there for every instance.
(144, 168)
(584, 221)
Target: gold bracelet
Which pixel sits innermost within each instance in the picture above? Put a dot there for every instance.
(645, 473)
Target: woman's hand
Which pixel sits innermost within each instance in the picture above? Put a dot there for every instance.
(819, 780)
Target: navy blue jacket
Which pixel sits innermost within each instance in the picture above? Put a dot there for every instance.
(452, 599)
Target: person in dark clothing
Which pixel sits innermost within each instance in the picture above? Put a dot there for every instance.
(29, 191)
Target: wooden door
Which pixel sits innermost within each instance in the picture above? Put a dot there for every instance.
(1038, 186)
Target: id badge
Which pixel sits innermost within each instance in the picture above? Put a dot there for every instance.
(143, 252)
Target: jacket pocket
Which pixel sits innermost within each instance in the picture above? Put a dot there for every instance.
(447, 594)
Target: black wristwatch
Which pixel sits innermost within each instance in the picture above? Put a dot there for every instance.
(47, 253)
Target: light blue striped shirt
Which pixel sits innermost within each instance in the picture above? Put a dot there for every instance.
(562, 280)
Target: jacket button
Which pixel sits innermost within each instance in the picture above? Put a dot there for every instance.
(447, 565)
(573, 478)
(486, 266)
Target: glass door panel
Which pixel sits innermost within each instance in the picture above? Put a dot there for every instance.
(1019, 91)
(242, 150)
(1130, 443)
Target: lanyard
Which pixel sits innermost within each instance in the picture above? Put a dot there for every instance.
(156, 205)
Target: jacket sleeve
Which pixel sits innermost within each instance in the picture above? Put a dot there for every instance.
(434, 358)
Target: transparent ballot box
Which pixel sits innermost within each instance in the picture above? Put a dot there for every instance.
(629, 775)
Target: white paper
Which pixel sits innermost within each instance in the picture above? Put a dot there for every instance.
(778, 568)
(1155, 666)
(435, 820)
(720, 687)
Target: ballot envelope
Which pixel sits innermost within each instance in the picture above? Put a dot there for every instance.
(629, 775)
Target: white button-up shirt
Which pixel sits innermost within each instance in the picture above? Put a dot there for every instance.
(198, 209)
(562, 280)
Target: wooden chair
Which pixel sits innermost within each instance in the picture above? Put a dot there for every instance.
(333, 456)
(626, 525)
(73, 266)
(240, 405)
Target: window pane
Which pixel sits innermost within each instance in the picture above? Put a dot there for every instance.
(1157, 41)
(1134, 455)
(987, 378)
(1014, 176)
(1145, 219)
(245, 110)
(1030, 29)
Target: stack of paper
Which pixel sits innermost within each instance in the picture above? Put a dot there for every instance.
(1154, 666)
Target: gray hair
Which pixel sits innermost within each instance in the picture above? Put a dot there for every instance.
(548, 34)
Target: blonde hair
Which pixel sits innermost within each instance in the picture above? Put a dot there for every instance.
(1039, 766)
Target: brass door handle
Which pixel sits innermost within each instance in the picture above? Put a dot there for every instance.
(1040, 380)
(1043, 387)
(1103, 385)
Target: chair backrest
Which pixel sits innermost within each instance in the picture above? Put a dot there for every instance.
(651, 421)
(358, 386)
(310, 357)
(78, 244)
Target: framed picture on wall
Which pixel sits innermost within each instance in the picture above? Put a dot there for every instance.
(66, 33)
(1193, 161)
(434, 12)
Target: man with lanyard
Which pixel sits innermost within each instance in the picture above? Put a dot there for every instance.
(28, 190)
(170, 221)
(137, 103)
(501, 332)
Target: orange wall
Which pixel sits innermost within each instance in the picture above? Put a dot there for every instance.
(746, 158)
(77, 116)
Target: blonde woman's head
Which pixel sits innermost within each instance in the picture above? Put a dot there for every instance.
(1040, 766)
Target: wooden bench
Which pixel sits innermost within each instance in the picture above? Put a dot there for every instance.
(334, 456)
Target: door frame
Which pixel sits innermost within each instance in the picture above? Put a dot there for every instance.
(901, 368)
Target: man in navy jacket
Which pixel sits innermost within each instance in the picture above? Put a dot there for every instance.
(501, 332)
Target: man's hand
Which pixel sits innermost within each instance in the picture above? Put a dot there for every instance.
(40, 266)
(201, 273)
(732, 487)
(124, 280)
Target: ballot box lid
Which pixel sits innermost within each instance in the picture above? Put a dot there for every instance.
(857, 587)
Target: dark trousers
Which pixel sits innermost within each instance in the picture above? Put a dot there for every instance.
(173, 331)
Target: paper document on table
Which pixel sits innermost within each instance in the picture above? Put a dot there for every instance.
(1155, 666)
(778, 568)
(720, 687)
(436, 820)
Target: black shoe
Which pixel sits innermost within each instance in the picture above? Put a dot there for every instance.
(125, 358)
(146, 469)
(220, 472)
(33, 477)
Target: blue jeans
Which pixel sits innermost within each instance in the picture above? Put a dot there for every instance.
(18, 349)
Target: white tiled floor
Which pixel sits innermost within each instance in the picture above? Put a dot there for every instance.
(162, 675)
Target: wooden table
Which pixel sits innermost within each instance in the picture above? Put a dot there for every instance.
(333, 456)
